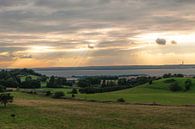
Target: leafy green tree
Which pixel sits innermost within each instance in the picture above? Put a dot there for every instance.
(51, 82)
(31, 84)
(6, 98)
(84, 83)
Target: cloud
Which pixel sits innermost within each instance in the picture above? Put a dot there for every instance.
(90, 46)
(173, 42)
(26, 56)
(66, 25)
(6, 3)
(160, 41)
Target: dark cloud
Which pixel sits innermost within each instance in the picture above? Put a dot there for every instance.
(173, 42)
(26, 56)
(90, 46)
(160, 41)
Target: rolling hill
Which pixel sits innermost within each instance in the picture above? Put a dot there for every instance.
(157, 92)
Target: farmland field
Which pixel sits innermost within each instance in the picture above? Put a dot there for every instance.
(35, 112)
(158, 92)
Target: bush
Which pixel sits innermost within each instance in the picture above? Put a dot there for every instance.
(48, 93)
(59, 94)
(73, 95)
(150, 82)
(6, 98)
(2, 88)
(74, 91)
(169, 80)
(175, 87)
(121, 100)
(188, 84)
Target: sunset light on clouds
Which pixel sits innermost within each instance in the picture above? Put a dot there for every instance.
(57, 33)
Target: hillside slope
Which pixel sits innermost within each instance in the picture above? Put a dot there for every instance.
(158, 92)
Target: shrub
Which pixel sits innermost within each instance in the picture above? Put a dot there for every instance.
(150, 82)
(175, 87)
(59, 94)
(74, 91)
(48, 93)
(121, 100)
(73, 95)
(2, 88)
(6, 98)
(188, 84)
(169, 80)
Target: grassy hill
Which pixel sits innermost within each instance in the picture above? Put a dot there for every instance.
(35, 112)
(157, 92)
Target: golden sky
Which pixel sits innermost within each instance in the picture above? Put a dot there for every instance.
(59, 33)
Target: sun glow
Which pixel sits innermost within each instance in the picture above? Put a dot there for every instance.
(41, 49)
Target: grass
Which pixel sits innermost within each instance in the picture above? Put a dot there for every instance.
(45, 113)
(158, 92)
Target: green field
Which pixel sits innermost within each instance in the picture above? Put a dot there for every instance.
(158, 92)
(35, 112)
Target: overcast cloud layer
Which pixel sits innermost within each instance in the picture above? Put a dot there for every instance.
(42, 33)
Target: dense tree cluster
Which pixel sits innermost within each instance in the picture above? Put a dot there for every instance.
(89, 81)
(169, 75)
(31, 84)
(56, 82)
(90, 90)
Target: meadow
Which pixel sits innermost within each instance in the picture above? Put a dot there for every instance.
(158, 92)
(36, 112)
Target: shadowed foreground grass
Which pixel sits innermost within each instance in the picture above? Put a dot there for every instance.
(44, 113)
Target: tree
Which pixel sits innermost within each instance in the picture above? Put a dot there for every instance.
(31, 84)
(84, 83)
(122, 81)
(6, 98)
(51, 82)
(188, 84)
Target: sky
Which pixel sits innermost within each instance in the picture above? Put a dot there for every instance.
(71, 33)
